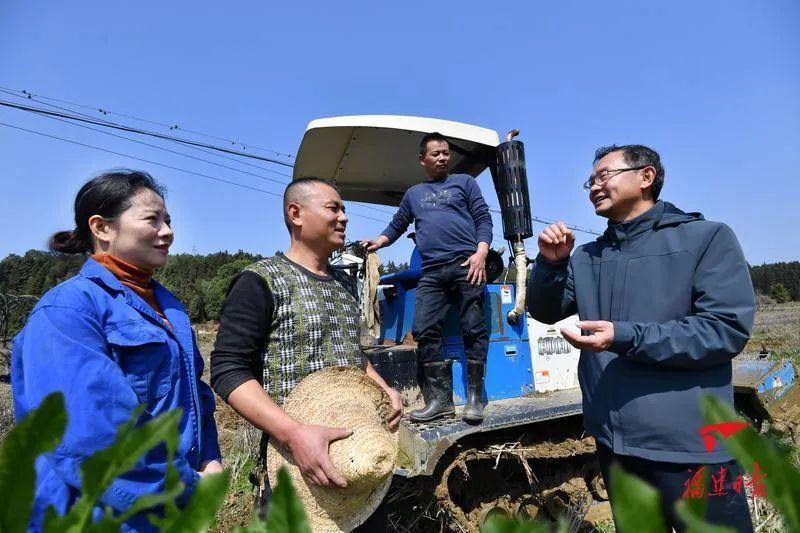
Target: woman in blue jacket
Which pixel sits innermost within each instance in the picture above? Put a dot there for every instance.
(109, 339)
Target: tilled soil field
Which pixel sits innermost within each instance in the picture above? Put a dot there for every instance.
(549, 477)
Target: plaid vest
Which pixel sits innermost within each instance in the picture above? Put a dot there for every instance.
(315, 324)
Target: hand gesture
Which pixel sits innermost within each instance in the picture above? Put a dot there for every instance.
(374, 244)
(210, 467)
(556, 242)
(309, 447)
(600, 339)
(397, 407)
(477, 268)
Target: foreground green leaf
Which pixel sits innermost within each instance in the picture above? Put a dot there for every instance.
(100, 470)
(695, 520)
(201, 510)
(636, 505)
(752, 450)
(150, 501)
(39, 432)
(286, 513)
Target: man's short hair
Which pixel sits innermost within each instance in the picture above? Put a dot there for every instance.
(435, 136)
(637, 155)
(295, 190)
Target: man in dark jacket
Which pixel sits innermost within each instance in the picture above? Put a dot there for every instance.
(453, 234)
(665, 302)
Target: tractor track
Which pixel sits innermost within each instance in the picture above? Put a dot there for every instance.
(547, 473)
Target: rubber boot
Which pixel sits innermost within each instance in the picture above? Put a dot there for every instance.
(439, 380)
(473, 410)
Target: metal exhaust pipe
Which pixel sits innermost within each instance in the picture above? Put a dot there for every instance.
(511, 183)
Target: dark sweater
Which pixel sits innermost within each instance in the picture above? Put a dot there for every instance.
(450, 218)
(243, 332)
(250, 312)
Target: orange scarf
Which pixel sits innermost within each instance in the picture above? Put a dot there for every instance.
(135, 278)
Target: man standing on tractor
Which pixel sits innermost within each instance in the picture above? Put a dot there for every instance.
(665, 303)
(285, 317)
(453, 234)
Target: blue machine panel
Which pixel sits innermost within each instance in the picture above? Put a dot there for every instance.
(397, 313)
(508, 370)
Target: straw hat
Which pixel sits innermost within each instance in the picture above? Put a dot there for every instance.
(342, 397)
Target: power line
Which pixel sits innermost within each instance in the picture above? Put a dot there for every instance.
(129, 129)
(259, 176)
(138, 159)
(549, 222)
(25, 95)
(108, 123)
(171, 167)
(202, 175)
(494, 210)
(82, 117)
(222, 156)
(70, 121)
(570, 226)
(37, 97)
(11, 92)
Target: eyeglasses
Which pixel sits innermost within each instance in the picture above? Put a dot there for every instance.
(604, 175)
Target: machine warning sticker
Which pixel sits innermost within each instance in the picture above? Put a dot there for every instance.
(505, 294)
(542, 377)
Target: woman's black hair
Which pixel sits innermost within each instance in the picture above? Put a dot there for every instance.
(107, 195)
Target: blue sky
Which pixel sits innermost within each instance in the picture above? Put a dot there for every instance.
(713, 86)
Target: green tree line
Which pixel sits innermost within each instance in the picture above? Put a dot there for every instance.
(780, 281)
(199, 281)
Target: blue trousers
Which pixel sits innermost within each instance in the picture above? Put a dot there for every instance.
(672, 480)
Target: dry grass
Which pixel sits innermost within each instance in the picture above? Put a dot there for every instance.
(6, 411)
(777, 328)
(6, 403)
(239, 443)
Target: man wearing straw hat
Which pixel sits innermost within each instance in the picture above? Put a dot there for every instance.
(286, 317)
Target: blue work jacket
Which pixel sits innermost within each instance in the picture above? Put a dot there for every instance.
(105, 348)
(677, 289)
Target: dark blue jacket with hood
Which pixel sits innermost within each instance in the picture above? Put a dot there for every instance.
(678, 290)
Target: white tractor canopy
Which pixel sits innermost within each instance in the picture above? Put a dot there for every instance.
(375, 158)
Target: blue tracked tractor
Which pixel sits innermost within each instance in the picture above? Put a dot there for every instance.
(530, 456)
